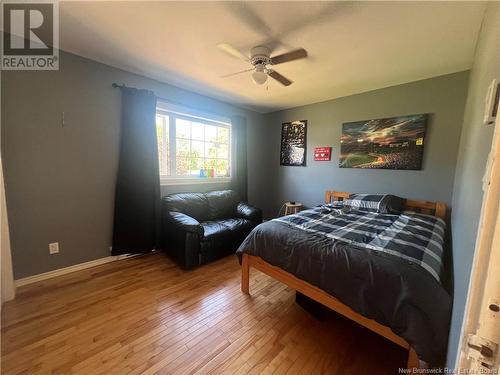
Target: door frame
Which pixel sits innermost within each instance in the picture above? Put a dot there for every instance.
(484, 284)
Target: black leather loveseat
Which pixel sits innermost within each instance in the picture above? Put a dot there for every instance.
(200, 227)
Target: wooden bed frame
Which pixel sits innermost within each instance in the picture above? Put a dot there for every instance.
(431, 208)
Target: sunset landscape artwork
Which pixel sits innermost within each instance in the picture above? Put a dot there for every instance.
(389, 143)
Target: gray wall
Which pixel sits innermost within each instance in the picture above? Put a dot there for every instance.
(475, 144)
(60, 181)
(443, 97)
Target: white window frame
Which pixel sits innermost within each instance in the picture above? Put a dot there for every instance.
(174, 112)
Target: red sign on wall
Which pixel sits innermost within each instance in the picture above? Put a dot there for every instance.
(322, 153)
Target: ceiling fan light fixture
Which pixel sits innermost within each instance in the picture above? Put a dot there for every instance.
(259, 76)
(261, 61)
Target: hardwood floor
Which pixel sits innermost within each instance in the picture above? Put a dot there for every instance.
(146, 316)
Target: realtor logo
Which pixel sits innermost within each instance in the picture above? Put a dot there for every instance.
(30, 35)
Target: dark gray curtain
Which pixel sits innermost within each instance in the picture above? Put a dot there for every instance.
(137, 197)
(239, 181)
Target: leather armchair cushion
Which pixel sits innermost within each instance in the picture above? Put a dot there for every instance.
(222, 204)
(226, 228)
(191, 204)
(222, 237)
(237, 224)
(185, 223)
(214, 229)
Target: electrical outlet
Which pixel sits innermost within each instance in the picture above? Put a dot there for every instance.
(54, 248)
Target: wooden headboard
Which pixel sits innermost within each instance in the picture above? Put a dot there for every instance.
(424, 207)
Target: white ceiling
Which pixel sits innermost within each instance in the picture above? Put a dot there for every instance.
(353, 46)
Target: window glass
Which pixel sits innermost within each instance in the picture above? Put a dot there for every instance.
(183, 128)
(163, 137)
(192, 147)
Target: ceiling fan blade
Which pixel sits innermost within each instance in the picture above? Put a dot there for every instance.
(328, 13)
(233, 74)
(246, 13)
(249, 16)
(278, 77)
(289, 56)
(230, 50)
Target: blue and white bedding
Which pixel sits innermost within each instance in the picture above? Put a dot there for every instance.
(413, 237)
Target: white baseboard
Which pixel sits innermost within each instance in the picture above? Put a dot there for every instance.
(65, 270)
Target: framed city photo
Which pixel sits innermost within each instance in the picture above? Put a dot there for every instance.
(388, 143)
(293, 143)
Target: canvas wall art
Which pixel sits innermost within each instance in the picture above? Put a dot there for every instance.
(388, 143)
(293, 143)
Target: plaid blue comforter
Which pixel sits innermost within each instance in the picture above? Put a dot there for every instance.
(412, 237)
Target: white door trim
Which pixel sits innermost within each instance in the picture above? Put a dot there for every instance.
(484, 284)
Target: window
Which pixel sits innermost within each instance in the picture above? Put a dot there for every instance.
(163, 134)
(192, 148)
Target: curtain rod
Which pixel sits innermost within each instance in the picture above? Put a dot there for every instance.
(121, 86)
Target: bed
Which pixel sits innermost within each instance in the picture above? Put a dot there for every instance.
(373, 280)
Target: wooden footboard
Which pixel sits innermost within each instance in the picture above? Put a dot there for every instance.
(322, 297)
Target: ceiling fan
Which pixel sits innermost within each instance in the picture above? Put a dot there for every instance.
(262, 62)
